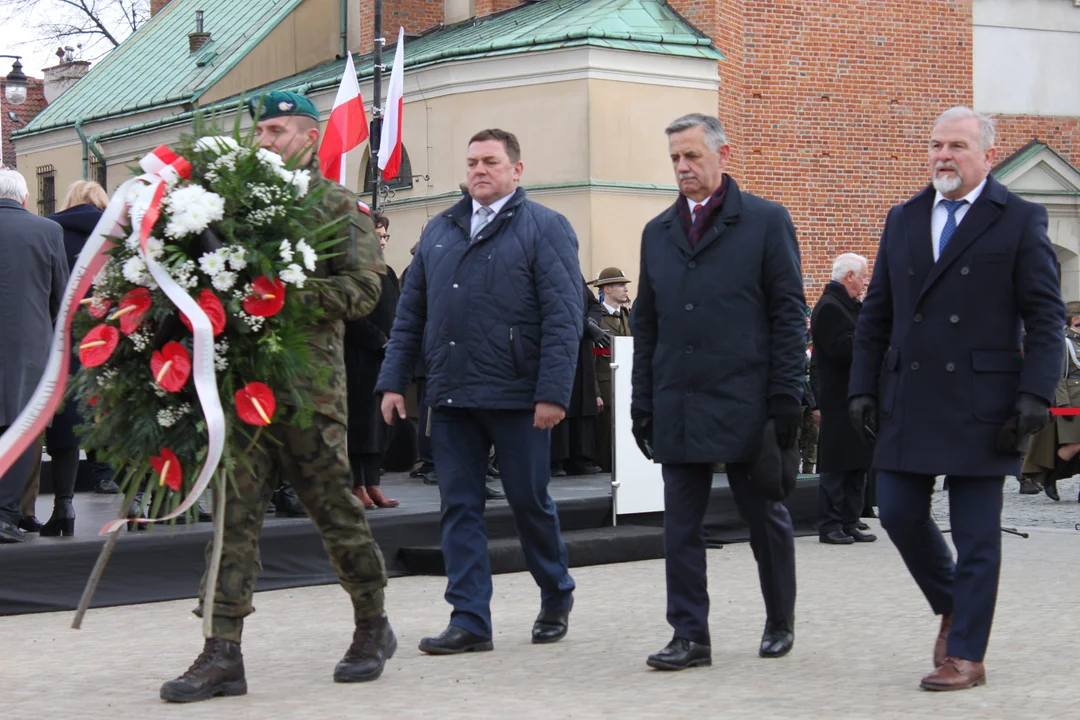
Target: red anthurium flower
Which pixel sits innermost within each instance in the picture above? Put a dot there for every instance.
(97, 307)
(93, 401)
(267, 299)
(97, 345)
(171, 366)
(255, 404)
(167, 466)
(132, 310)
(210, 305)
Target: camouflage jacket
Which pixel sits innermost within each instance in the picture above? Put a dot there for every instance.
(348, 288)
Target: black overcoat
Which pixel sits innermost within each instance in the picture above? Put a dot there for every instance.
(832, 325)
(718, 329)
(365, 341)
(939, 343)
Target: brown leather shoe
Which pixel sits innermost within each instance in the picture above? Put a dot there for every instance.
(955, 674)
(942, 640)
(361, 494)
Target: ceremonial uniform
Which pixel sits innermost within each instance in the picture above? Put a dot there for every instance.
(314, 459)
(617, 324)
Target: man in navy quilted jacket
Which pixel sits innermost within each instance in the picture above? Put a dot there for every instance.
(493, 300)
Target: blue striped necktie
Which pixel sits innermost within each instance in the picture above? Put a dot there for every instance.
(951, 206)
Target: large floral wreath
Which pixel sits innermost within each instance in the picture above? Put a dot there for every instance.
(242, 236)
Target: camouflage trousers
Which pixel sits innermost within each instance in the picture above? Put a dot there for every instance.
(315, 461)
(808, 437)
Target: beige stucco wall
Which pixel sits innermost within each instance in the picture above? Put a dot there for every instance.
(67, 161)
(306, 37)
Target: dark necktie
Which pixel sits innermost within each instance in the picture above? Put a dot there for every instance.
(951, 206)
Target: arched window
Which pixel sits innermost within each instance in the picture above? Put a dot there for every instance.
(403, 181)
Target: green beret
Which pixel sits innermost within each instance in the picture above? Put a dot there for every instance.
(280, 103)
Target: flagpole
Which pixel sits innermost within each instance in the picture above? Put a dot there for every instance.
(376, 106)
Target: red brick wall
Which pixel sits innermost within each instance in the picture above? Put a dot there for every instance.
(156, 6)
(836, 102)
(1062, 134)
(415, 16)
(490, 7)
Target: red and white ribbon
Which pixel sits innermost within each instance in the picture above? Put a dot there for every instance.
(163, 167)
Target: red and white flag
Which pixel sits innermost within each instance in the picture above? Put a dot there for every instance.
(390, 142)
(347, 128)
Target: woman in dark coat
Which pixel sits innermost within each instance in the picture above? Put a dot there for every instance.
(82, 210)
(365, 343)
(572, 443)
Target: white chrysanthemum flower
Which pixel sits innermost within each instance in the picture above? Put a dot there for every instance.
(237, 258)
(270, 158)
(301, 179)
(154, 248)
(212, 263)
(285, 249)
(192, 209)
(139, 198)
(294, 275)
(216, 143)
(308, 255)
(224, 281)
(135, 271)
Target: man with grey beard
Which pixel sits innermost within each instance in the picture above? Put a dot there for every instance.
(944, 381)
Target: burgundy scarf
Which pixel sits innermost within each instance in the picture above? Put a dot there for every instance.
(706, 214)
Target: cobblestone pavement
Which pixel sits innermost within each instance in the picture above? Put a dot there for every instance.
(1027, 510)
(864, 638)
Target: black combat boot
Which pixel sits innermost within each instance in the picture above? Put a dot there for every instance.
(219, 670)
(372, 645)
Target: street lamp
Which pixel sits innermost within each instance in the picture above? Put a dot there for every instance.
(15, 92)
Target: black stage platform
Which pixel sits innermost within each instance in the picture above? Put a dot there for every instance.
(48, 574)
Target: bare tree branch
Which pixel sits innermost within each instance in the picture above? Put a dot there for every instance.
(108, 20)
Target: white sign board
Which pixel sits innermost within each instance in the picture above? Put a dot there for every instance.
(637, 485)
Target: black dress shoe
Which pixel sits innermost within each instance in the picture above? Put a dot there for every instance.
(1050, 488)
(106, 487)
(681, 654)
(453, 641)
(862, 526)
(29, 524)
(859, 536)
(551, 625)
(836, 537)
(778, 639)
(287, 504)
(11, 533)
(1030, 485)
(494, 493)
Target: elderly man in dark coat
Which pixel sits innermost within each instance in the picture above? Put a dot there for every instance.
(493, 299)
(719, 348)
(942, 376)
(843, 458)
(33, 275)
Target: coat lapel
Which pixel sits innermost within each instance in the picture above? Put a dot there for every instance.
(983, 213)
(917, 212)
(673, 231)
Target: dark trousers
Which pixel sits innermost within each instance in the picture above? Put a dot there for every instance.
(840, 499)
(13, 483)
(460, 439)
(968, 587)
(686, 498)
(423, 442)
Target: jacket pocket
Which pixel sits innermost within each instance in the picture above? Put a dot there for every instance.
(995, 382)
(517, 357)
(890, 379)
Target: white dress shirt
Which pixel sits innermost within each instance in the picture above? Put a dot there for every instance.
(940, 215)
(611, 310)
(478, 218)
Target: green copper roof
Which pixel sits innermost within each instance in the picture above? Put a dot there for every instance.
(120, 85)
(636, 25)
(154, 67)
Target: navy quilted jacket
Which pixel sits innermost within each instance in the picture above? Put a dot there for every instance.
(499, 319)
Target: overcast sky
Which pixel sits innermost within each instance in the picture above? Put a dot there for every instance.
(19, 38)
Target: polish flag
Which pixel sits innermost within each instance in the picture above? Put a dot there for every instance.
(390, 145)
(347, 128)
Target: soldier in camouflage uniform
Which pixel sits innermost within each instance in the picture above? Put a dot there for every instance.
(315, 459)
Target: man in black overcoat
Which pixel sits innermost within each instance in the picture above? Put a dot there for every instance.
(719, 348)
(843, 457)
(942, 377)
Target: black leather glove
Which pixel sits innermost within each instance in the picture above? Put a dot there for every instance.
(1033, 414)
(641, 426)
(786, 412)
(596, 333)
(862, 411)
